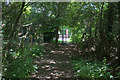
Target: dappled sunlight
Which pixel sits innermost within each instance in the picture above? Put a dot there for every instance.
(45, 66)
(57, 52)
(67, 48)
(79, 51)
(63, 62)
(52, 52)
(56, 64)
(46, 40)
(51, 61)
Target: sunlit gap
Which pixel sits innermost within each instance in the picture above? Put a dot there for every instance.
(64, 35)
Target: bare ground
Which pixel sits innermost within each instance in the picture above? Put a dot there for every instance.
(56, 62)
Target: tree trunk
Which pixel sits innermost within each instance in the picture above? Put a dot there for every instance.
(57, 26)
(17, 21)
(57, 35)
(100, 45)
(119, 34)
(14, 29)
(110, 17)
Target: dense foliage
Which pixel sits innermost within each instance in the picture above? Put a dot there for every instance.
(86, 69)
(21, 64)
(95, 28)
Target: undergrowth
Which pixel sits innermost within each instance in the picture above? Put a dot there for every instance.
(21, 64)
(92, 70)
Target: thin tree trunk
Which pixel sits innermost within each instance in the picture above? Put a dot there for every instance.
(57, 26)
(17, 21)
(108, 30)
(96, 30)
(14, 29)
(57, 35)
(101, 46)
(100, 25)
(119, 34)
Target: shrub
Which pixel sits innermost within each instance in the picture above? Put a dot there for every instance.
(21, 65)
(100, 71)
(20, 68)
(81, 69)
(95, 70)
(36, 50)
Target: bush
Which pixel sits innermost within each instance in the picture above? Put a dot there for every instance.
(101, 71)
(20, 68)
(94, 70)
(22, 65)
(35, 50)
(81, 68)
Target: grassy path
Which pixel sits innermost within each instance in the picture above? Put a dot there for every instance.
(56, 64)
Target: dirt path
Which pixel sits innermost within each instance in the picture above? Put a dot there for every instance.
(56, 64)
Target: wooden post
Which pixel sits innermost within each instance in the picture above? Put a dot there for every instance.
(1, 41)
(119, 34)
(62, 35)
(31, 39)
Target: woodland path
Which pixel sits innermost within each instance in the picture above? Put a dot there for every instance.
(56, 63)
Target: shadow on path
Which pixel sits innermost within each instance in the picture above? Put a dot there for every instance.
(56, 63)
